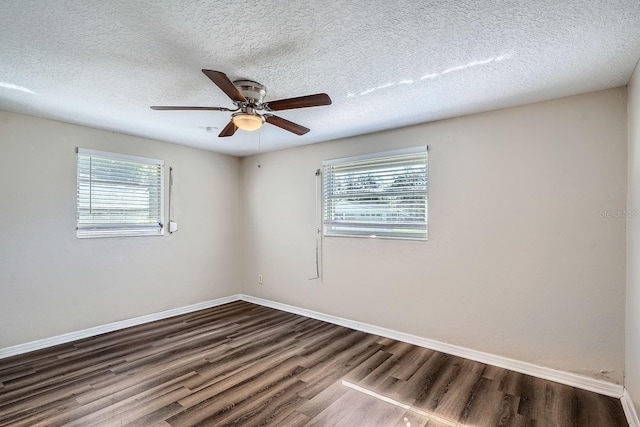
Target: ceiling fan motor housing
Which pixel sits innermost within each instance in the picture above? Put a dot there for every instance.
(253, 91)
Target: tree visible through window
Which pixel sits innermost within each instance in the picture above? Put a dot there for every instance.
(379, 195)
(118, 195)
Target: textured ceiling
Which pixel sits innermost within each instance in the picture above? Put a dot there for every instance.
(384, 63)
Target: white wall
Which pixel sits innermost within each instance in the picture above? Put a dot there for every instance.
(52, 283)
(520, 262)
(632, 368)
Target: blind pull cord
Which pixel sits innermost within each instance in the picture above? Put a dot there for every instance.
(318, 229)
(170, 204)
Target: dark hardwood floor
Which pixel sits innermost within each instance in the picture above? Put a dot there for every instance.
(243, 364)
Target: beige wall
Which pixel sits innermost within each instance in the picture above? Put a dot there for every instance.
(52, 283)
(632, 368)
(526, 251)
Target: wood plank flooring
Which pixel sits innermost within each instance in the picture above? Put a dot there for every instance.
(243, 364)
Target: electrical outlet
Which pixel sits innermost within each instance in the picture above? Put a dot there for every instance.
(260, 279)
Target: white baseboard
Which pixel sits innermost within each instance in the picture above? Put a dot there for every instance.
(567, 378)
(629, 410)
(110, 327)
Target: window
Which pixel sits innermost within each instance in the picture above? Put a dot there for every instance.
(377, 195)
(118, 195)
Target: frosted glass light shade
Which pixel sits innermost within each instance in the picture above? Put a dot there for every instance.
(247, 121)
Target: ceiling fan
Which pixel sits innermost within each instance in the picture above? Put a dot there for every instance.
(248, 97)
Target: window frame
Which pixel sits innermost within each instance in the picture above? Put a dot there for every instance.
(105, 229)
(386, 234)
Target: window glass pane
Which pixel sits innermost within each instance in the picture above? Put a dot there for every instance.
(118, 195)
(381, 196)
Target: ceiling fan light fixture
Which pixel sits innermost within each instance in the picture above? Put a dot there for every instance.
(247, 121)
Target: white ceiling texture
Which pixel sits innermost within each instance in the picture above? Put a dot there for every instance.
(384, 63)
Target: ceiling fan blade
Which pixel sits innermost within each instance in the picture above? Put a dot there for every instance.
(299, 102)
(286, 124)
(168, 107)
(227, 86)
(228, 130)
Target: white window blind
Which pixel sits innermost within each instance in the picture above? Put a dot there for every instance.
(118, 195)
(377, 195)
